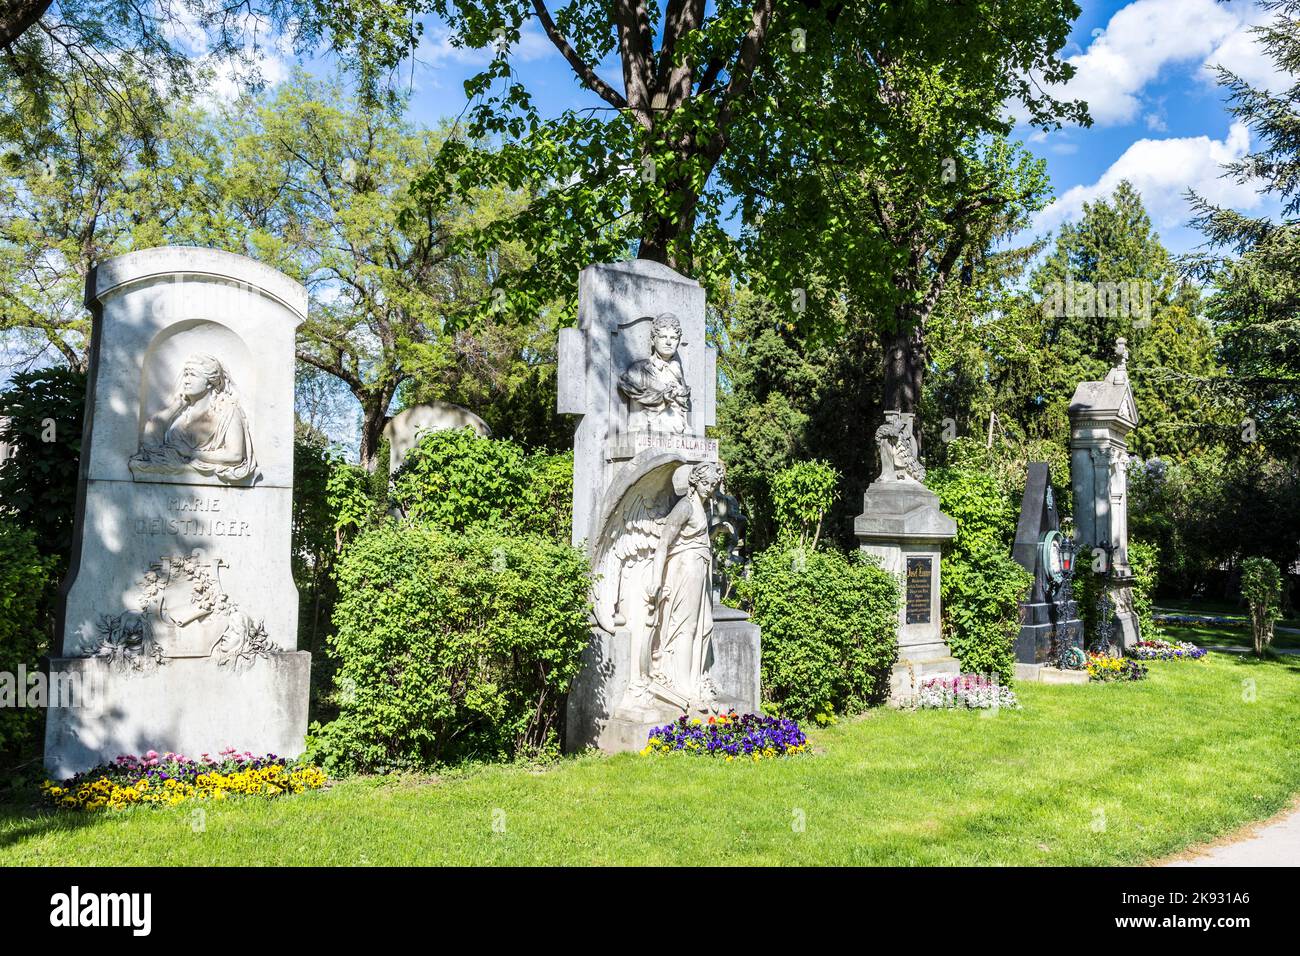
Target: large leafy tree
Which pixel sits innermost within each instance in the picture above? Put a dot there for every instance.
(1253, 269)
(636, 171)
(1122, 283)
(317, 184)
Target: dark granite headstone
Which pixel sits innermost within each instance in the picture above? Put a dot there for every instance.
(1049, 618)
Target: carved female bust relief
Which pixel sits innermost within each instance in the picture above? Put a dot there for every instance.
(203, 430)
(659, 398)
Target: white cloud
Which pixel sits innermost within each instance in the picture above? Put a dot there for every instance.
(436, 50)
(1240, 52)
(1162, 170)
(1140, 41)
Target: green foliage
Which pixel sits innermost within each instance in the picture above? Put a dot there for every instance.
(1261, 586)
(829, 629)
(546, 505)
(801, 496)
(451, 646)
(457, 479)
(348, 495)
(39, 484)
(982, 585)
(24, 576)
(1144, 560)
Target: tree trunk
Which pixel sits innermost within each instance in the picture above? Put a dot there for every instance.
(16, 16)
(904, 364)
(374, 413)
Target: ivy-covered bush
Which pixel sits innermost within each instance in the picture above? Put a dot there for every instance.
(459, 480)
(451, 646)
(24, 576)
(982, 585)
(829, 629)
(1144, 559)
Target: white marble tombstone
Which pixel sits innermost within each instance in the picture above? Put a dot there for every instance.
(405, 429)
(902, 527)
(1101, 416)
(179, 613)
(639, 372)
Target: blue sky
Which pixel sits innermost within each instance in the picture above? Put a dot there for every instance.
(1143, 67)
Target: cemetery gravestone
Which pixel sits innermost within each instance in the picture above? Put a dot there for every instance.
(178, 617)
(639, 372)
(902, 526)
(1101, 416)
(405, 428)
(1049, 620)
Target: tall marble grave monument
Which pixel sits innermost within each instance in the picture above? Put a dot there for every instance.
(1101, 416)
(902, 526)
(1049, 618)
(179, 613)
(639, 372)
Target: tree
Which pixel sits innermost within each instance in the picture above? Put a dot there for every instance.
(1109, 277)
(639, 170)
(103, 186)
(1253, 271)
(317, 184)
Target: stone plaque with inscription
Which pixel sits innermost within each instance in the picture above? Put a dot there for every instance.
(920, 588)
(179, 611)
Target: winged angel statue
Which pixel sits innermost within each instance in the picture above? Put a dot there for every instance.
(654, 561)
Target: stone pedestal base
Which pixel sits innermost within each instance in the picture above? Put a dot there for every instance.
(188, 706)
(1042, 629)
(908, 675)
(594, 717)
(1042, 674)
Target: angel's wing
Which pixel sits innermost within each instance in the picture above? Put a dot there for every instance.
(632, 520)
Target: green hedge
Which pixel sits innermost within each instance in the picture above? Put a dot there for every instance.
(982, 584)
(829, 629)
(451, 647)
(24, 575)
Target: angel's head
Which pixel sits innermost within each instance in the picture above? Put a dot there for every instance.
(706, 477)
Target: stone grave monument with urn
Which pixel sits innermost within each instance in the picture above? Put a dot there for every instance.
(902, 526)
(178, 616)
(645, 476)
(1101, 416)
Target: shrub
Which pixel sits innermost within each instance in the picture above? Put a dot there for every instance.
(982, 586)
(451, 646)
(1144, 559)
(39, 484)
(458, 480)
(24, 576)
(829, 629)
(546, 505)
(801, 496)
(1261, 586)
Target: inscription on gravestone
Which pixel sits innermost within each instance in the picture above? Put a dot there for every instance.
(920, 579)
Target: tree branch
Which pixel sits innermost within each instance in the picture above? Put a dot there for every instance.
(580, 66)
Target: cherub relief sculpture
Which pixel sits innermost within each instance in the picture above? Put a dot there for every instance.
(203, 430)
(899, 456)
(655, 560)
(655, 387)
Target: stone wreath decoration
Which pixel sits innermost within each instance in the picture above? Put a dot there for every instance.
(127, 639)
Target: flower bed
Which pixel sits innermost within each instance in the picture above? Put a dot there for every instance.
(1159, 650)
(1103, 667)
(730, 736)
(170, 779)
(965, 691)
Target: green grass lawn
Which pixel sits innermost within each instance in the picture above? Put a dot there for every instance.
(1221, 636)
(1095, 774)
(1215, 608)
